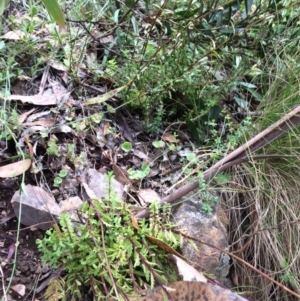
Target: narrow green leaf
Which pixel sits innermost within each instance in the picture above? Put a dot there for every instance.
(248, 5)
(255, 94)
(116, 16)
(247, 85)
(134, 25)
(185, 14)
(3, 3)
(243, 103)
(55, 12)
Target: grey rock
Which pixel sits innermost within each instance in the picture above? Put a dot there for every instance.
(98, 183)
(35, 207)
(211, 228)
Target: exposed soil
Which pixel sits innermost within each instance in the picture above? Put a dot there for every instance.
(28, 268)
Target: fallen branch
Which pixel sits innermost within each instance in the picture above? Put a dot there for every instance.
(242, 154)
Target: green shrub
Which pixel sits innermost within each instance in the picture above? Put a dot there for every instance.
(105, 254)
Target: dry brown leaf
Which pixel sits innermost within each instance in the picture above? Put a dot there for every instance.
(107, 39)
(57, 88)
(14, 35)
(147, 196)
(134, 222)
(38, 115)
(41, 100)
(162, 245)
(57, 65)
(29, 145)
(14, 169)
(106, 127)
(140, 154)
(45, 122)
(169, 138)
(24, 116)
(121, 175)
(192, 291)
(19, 289)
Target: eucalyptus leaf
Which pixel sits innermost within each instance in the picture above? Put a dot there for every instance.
(255, 94)
(134, 25)
(243, 103)
(248, 85)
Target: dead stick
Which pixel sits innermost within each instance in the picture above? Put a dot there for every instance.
(236, 157)
(245, 263)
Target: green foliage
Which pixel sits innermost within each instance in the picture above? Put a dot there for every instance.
(59, 179)
(105, 252)
(139, 174)
(126, 146)
(52, 149)
(55, 290)
(208, 200)
(158, 144)
(288, 276)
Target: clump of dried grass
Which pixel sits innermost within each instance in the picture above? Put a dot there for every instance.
(264, 203)
(264, 229)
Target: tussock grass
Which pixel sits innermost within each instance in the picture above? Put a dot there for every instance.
(264, 204)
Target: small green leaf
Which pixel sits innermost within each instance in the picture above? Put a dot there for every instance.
(158, 144)
(63, 173)
(185, 14)
(222, 178)
(126, 146)
(243, 103)
(97, 117)
(33, 11)
(191, 156)
(139, 174)
(57, 181)
(172, 147)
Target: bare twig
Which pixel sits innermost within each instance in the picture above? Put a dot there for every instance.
(246, 264)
